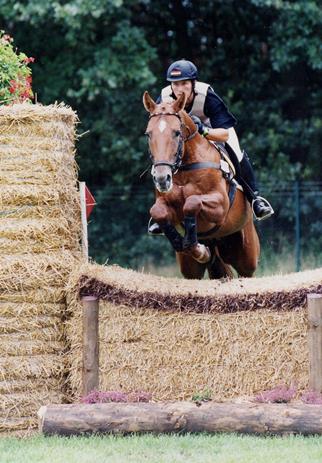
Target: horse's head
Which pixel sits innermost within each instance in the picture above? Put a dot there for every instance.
(166, 139)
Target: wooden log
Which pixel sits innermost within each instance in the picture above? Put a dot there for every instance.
(123, 418)
(314, 302)
(90, 374)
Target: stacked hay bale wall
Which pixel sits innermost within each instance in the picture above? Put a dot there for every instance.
(177, 338)
(39, 245)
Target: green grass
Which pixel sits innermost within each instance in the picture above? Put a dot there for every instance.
(218, 448)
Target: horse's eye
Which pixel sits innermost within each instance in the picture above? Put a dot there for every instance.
(176, 133)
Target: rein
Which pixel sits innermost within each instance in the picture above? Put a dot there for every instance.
(176, 165)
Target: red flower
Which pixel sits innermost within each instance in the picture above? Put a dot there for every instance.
(28, 60)
(13, 86)
(6, 38)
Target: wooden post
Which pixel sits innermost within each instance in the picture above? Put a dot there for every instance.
(314, 302)
(84, 219)
(90, 344)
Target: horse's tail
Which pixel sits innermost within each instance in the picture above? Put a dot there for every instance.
(217, 268)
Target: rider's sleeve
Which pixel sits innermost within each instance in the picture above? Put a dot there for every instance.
(218, 112)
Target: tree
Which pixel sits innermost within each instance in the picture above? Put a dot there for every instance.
(262, 57)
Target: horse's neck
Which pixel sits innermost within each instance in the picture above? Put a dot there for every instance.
(198, 148)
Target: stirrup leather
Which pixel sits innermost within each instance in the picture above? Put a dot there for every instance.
(266, 216)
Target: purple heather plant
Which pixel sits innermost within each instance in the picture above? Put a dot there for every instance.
(100, 397)
(312, 397)
(279, 394)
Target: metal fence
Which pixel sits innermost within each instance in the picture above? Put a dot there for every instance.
(291, 240)
(295, 230)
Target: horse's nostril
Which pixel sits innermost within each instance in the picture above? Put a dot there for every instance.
(168, 177)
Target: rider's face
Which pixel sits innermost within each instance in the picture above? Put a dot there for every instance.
(183, 86)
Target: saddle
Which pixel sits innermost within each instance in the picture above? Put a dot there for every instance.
(225, 157)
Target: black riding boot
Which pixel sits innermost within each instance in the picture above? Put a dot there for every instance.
(261, 207)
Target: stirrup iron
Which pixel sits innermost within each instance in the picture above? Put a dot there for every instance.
(150, 225)
(266, 216)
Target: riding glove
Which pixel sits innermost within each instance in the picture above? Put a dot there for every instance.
(202, 128)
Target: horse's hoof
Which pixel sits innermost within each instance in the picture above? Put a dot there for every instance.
(204, 254)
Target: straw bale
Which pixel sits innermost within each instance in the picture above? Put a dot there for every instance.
(37, 113)
(131, 288)
(34, 228)
(34, 271)
(41, 166)
(71, 214)
(54, 295)
(11, 425)
(29, 309)
(24, 345)
(175, 355)
(35, 143)
(32, 384)
(44, 366)
(39, 162)
(36, 195)
(37, 235)
(39, 244)
(20, 404)
(175, 337)
(29, 325)
(29, 176)
(48, 129)
(25, 246)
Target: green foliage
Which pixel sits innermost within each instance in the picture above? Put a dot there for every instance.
(295, 36)
(15, 74)
(262, 56)
(204, 396)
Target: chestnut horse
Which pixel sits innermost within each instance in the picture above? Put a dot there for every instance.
(192, 194)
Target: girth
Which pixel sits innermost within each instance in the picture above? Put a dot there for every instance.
(200, 165)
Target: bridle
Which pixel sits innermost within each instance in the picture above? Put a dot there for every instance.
(174, 166)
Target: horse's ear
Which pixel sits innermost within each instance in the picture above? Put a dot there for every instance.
(149, 104)
(180, 103)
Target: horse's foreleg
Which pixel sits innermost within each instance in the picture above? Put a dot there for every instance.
(164, 215)
(189, 267)
(190, 241)
(211, 208)
(173, 236)
(190, 245)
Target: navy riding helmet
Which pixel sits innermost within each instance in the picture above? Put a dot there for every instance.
(182, 70)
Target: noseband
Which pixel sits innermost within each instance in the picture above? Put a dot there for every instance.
(175, 166)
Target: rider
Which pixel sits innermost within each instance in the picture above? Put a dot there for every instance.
(216, 123)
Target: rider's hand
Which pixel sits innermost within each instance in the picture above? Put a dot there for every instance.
(202, 128)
